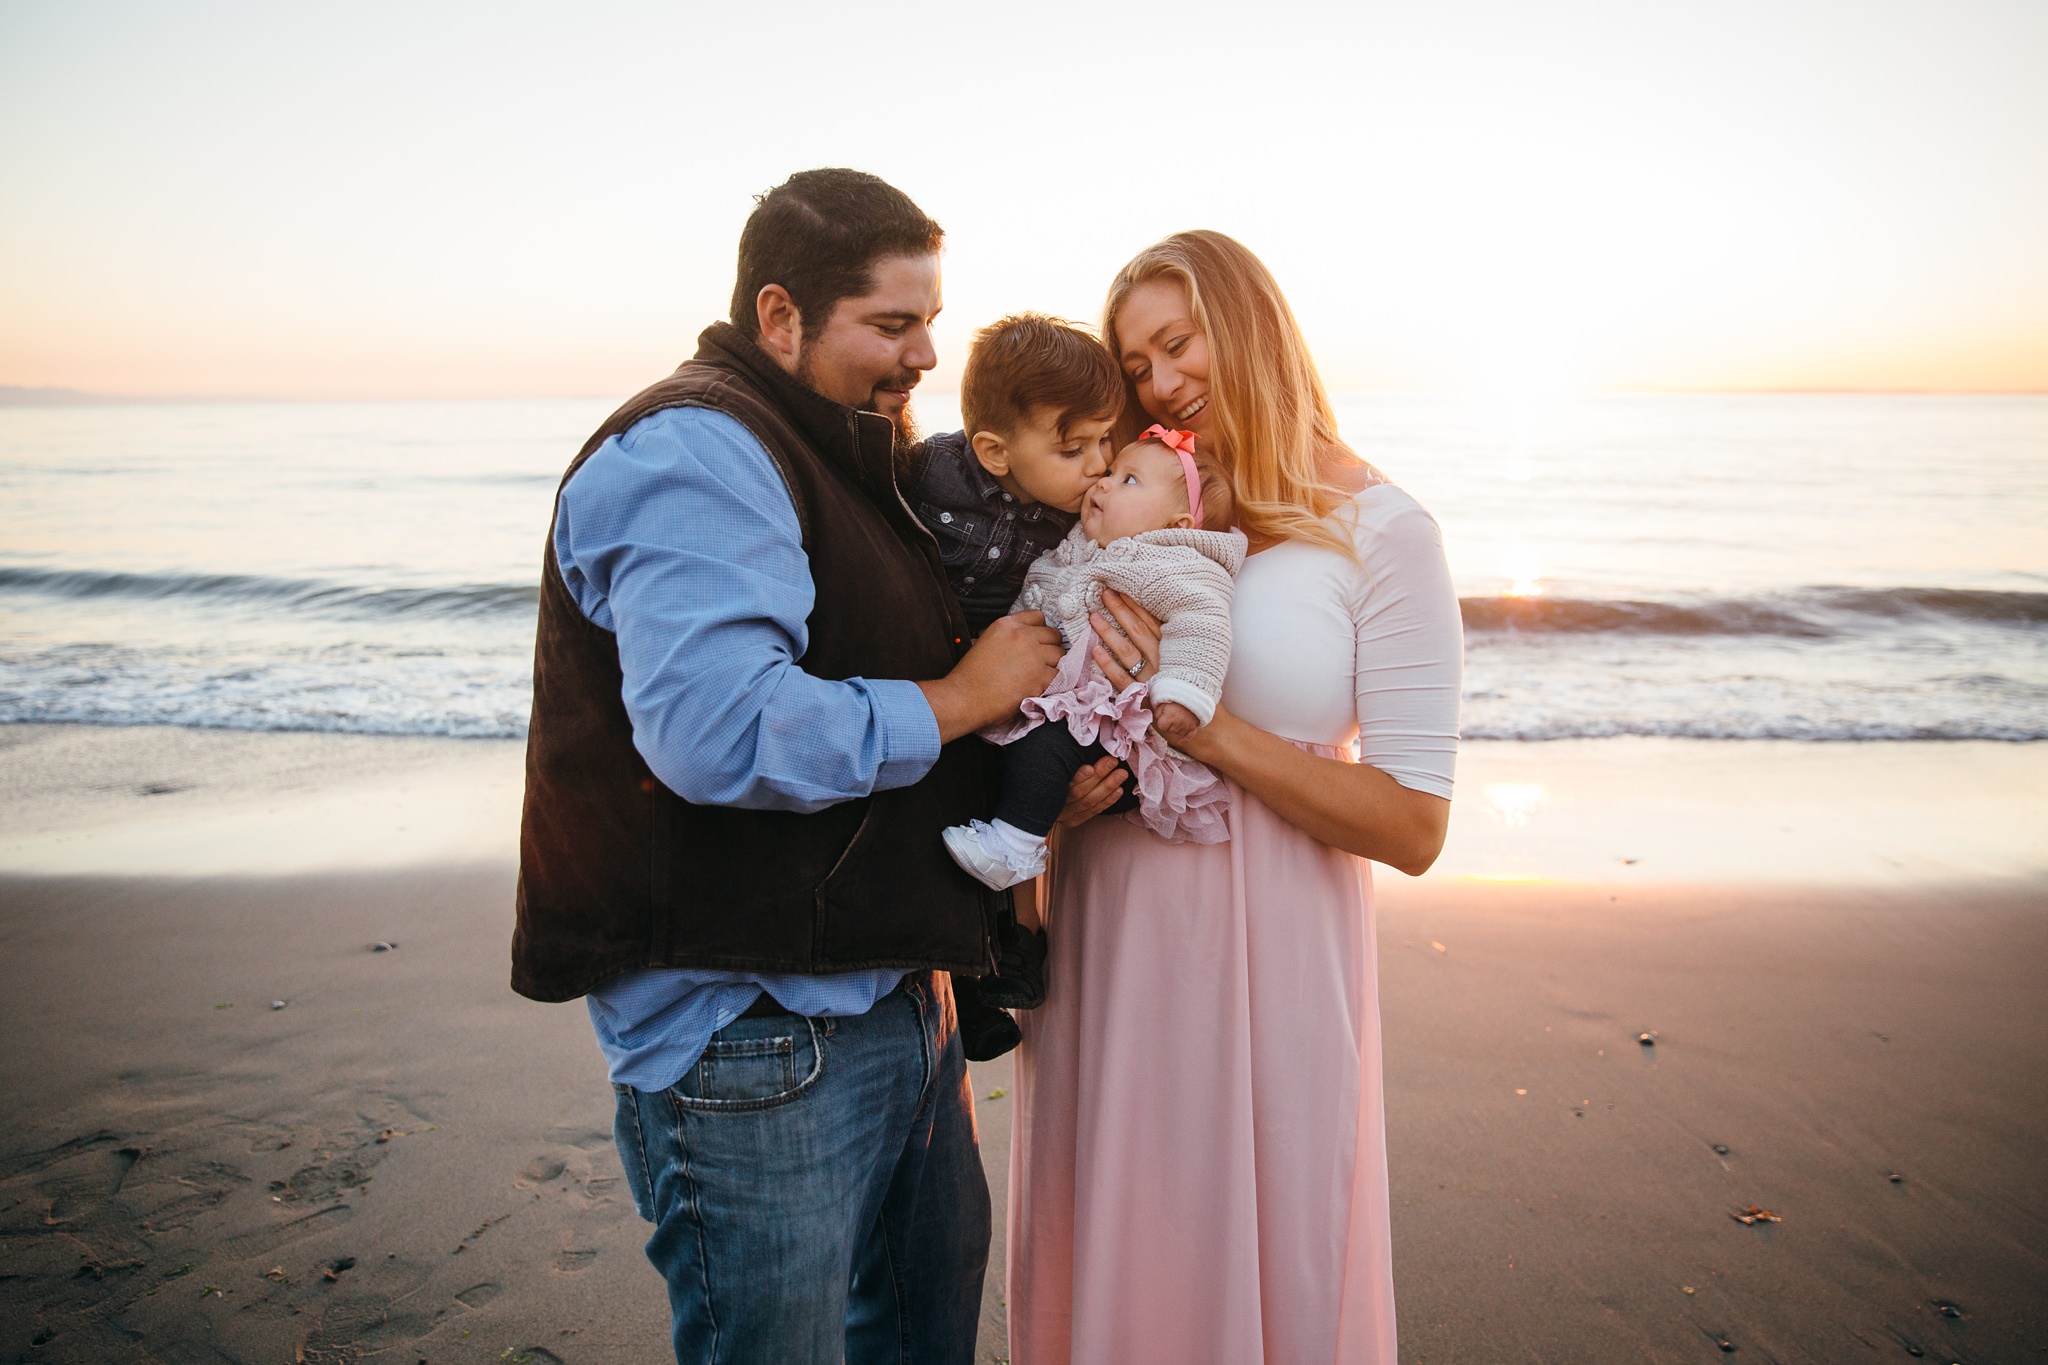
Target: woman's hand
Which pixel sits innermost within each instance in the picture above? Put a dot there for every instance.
(1127, 644)
(1094, 790)
(1134, 655)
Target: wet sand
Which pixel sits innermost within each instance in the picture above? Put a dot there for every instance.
(1563, 1192)
(408, 1162)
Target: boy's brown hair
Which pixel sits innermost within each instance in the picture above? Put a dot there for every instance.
(1028, 361)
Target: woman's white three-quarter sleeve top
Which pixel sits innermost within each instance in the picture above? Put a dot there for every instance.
(1325, 650)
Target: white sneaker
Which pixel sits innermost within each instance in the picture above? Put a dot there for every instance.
(977, 849)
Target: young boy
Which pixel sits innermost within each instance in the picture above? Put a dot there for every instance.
(1038, 397)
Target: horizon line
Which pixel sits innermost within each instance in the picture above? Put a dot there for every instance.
(54, 396)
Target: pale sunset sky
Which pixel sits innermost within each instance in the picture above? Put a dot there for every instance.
(1516, 196)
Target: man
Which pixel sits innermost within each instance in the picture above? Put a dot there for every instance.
(749, 681)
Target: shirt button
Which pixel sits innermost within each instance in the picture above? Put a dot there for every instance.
(968, 579)
(1008, 498)
(995, 552)
(946, 517)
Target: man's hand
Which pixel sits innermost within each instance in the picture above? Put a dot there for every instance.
(1015, 658)
(1174, 721)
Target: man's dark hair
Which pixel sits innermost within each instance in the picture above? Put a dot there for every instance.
(818, 234)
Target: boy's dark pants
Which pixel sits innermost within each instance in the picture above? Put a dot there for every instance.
(1036, 771)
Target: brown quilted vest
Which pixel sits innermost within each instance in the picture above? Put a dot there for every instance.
(617, 872)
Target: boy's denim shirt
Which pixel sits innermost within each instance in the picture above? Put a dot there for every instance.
(986, 535)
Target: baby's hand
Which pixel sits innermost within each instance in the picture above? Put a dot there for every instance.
(1174, 721)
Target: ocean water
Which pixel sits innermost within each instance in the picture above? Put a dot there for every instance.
(1714, 566)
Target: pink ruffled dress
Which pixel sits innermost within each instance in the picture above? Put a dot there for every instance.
(1183, 577)
(1178, 798)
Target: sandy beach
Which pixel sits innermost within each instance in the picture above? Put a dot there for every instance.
(1839, 951)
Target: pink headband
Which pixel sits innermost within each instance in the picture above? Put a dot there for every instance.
(1181, 443)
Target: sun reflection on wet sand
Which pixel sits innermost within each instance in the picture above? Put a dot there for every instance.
(1634, 811)
(1512, 802)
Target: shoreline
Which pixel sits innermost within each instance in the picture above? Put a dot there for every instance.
(151, 800)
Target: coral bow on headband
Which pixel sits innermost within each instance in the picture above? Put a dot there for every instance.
(1181, 443)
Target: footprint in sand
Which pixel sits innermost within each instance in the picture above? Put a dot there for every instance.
(170, 1200)
(322, 1182)
(263, 1240)
(82, 1178)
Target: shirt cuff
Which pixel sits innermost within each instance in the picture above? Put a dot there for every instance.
(908, 730)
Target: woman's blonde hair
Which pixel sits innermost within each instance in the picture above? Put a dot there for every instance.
(1274, 429)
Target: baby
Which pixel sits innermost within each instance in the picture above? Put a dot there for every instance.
(1155, 528)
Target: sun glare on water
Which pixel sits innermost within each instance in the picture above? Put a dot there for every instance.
(1523, 568)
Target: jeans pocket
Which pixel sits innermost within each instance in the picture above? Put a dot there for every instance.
(632, 1144)
(753, 1064)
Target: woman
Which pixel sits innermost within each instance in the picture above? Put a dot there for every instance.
(1199, 1166)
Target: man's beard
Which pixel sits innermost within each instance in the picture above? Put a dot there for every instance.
(906, 428)
(904, 422)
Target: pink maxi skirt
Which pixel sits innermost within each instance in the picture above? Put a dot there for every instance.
(1199, 1168)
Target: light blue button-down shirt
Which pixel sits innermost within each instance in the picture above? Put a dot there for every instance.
(680, 538)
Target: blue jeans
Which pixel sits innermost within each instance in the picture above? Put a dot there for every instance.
(816, 1188)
